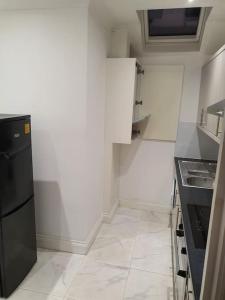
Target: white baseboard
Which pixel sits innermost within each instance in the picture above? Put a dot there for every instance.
(65, 245)
(108, 216)
(136, 204)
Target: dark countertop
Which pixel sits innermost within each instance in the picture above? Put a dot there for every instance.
(192, 195)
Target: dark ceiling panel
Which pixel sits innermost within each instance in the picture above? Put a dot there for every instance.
(173, 22)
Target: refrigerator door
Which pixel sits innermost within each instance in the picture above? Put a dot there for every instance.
(18, 247)
(16, 172)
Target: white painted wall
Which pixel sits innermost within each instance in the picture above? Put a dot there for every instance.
(146, 169)
(98, 44)
(120, 46)
(53, 67)
(111, 178)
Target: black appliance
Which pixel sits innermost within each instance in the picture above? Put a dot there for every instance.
(18, 252)
(199, 217)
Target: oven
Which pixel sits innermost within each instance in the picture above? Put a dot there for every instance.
(181, 261)
(179, 253)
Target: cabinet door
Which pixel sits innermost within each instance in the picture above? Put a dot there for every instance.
(221, 89)
(120, 90)
(214, 70)
(203, 95)
(212, 86)
(137, 97)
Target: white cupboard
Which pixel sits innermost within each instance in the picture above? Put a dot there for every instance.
(121, 91)
(161, 92)
(212, 92)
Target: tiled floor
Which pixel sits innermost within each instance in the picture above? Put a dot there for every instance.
(130, 260)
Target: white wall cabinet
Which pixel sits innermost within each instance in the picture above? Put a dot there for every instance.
(120, 98)
(212, 91)
(161, 91)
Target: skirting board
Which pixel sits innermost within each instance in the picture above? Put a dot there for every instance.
(135, 204)
(52, 242)
(107, 216)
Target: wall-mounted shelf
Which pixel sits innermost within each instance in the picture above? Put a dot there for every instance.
(216, 108)
(211, 135)
(137, 126)
(141, 119)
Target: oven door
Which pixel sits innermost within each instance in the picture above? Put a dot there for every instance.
(180, 261)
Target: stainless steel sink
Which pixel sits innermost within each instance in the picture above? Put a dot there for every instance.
(201, 173)
(200, 182)
(197, 174)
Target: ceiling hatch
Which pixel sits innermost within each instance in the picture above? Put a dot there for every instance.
(174, 29)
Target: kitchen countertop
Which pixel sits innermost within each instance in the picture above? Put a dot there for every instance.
(197, 196)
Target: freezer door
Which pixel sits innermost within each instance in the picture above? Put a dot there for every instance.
(18, 247)
(16, 171)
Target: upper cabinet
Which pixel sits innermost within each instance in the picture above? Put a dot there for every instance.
(122, 98)
(212, 87)
(161, 92)
(212, 95)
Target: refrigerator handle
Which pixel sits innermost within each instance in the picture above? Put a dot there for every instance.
(9, 155)
(5, 155)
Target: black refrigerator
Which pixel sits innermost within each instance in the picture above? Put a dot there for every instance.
(18, 252)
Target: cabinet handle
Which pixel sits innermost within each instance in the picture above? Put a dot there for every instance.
(136, 132)
(183, 250)
(140, 71)
(181, 227)
(179, 233)
(138, 102)
(182, 273)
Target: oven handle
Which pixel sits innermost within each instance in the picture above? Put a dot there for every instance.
(179, 272)
(174, 193)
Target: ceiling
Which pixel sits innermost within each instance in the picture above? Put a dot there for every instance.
(123, 13)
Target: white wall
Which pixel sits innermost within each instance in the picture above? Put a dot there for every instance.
(146, 169)
(49, 59)
(98, 46)
(147, 166)
(111, 178)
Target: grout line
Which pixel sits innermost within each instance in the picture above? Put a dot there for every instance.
(70, 285)
(132, 252)
(39, 292)
(161, 274)
(128, 267)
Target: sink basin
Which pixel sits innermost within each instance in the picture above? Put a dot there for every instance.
(201, 174)
(197, 174)
(200, 182)
(196, 166)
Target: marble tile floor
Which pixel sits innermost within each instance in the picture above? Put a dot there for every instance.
(129, 260)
